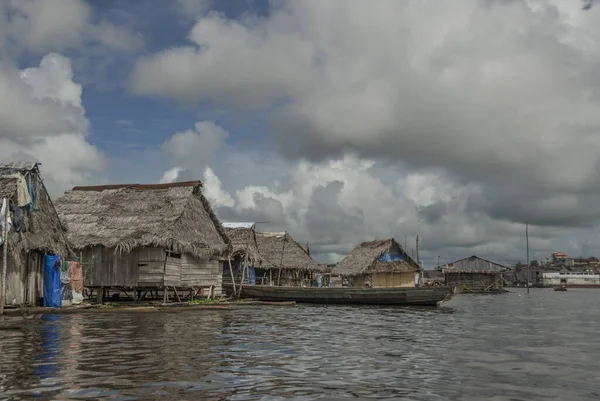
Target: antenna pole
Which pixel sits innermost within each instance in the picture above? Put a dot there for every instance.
(528, 265)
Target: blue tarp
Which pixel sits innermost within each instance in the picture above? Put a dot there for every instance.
(390, 257)
(252, 275)
(52, 285)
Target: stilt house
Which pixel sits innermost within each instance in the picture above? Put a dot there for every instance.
(35, 230)
(375, 264)
(244, 254)
(285, 261)
(474, 274)
(146, 238)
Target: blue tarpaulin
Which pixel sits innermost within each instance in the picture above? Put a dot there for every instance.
(390, 257)
(52, 285)
(252, 275)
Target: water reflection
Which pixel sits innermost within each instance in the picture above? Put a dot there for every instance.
(503, 348)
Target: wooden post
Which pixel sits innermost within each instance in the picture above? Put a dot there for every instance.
(271, 277)
(281, 262)
(4, 260)
(232, 277)
(100, 295)
(176, 294)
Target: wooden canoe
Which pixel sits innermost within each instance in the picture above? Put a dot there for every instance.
(422, 296)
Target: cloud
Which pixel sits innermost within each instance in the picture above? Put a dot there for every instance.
(500, 95)
(59, 25)
(44, 120)
(195, 149)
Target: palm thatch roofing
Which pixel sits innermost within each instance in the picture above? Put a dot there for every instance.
(365, 259)
(40, 229)
(125, 217)
(243, 242)
(280, 250)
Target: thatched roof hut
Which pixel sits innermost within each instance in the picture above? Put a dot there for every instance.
(39, 228)
(366, 258)
(176, 216)
(280, 250)
(243, 242)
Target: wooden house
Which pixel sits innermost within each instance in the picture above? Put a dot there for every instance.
(35, 231)
(377, 264)
(146, 238)
(284, 261)
(474, 274)
(244, 254)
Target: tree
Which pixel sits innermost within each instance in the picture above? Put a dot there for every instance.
(534, 263)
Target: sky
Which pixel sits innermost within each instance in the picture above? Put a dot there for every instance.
(339, 121)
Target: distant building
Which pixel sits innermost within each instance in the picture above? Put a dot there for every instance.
(558, 256)
(474, 274)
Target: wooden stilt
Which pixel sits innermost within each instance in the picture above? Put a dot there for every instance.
(100, 295)
(232, 277)
(165, 294)
(176, 294)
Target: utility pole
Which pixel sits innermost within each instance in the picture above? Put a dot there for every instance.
(528, 267)
(418, 261)
(438, 265)
(4, 260)
(405, 242)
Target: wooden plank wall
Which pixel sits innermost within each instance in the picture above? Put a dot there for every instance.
(151, 265)
(103, 267)
(202, 273)
(393, 280)
(173, 271)
(24, 281)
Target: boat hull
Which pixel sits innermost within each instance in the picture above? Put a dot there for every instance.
(423, 296)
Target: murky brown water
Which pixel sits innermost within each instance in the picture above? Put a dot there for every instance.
(545, 346)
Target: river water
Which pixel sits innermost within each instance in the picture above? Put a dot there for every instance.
(541, 346)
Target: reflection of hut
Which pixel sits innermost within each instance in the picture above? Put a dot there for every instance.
(474, 274)
(36, 230)
(146, 237)
(380, 263)
(285, 262)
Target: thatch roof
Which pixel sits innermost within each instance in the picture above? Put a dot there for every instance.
(243, 241)
(364, 259)
(130, 216)
(280, 250)
(41, 229)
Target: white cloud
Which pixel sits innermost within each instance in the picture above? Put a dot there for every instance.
(57, 25)
(214, 190)
(195, 149)
(496, 94)
(44, 121)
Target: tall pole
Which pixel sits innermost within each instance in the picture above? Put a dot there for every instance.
(528, 267)
(405, 242)
(418, 261)
(438, 265)
(4, 259)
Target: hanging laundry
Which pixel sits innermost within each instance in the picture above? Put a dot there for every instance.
(23, 197)
(76, 273)
(31, 193)
(3, 214)
(18, 214)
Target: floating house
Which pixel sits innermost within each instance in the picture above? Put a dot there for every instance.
(284, 261)
(474, 274)
(377, 264)
(244, 254)
(34, 231)
(146, 238)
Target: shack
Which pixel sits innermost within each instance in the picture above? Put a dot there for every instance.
(240, 266)
(376, 264)
(285, 261)
(146, 238)
(475, 274)
(34, 230)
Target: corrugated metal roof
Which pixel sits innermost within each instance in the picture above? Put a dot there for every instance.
(473, 264)
(238, 225)
(18, 165)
